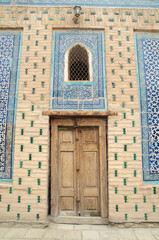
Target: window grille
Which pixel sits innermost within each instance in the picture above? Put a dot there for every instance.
(78, 64)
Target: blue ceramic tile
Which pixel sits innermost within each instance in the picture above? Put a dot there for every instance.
(78, 91)
(9, 63)
(148, 81)
(71, 92)
(85, 92)
(89, 3)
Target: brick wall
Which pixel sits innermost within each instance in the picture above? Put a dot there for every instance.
(26, 198)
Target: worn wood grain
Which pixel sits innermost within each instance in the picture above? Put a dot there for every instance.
(79, 144)
(79, 113)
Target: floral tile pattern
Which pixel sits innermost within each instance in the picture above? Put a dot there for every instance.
(9, 62)
(78, 95)
(147, 47)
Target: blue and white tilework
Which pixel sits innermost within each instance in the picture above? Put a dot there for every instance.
(89, 3)
(78, 95)
(9, 63)
(147, 48)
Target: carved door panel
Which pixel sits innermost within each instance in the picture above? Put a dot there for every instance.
(78, 171)
(89, 174)
(67, 173)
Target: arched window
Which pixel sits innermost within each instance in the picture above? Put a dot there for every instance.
(78, 64)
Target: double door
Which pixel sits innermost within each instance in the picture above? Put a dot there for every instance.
(79, 191)
(78, 168)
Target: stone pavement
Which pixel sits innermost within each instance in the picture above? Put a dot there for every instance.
(77, 232)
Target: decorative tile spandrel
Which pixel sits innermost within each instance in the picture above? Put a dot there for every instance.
(78, 95)
(9, 66)
(147, 48)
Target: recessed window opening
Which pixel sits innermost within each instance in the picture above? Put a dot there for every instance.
(78, 60)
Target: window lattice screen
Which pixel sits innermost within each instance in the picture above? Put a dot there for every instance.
(78, 64)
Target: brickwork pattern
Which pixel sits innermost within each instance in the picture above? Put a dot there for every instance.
(26, 198)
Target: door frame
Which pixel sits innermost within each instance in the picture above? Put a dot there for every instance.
(75, 122)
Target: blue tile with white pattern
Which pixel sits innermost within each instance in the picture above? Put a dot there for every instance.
(10, 42)
(147, 49)
(78, 95)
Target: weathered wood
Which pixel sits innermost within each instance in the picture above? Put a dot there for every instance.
(103, 170)
(67, 173)
(89, 173)
(88, 137)
(79, 113)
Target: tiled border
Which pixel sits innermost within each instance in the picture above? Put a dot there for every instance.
(78, 96)
(148, 175)
(89, 3)
(7, 174)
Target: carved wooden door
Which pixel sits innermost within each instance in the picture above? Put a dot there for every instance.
(79, 185)
(67, 171)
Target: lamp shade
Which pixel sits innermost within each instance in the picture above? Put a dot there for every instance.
(77, 10)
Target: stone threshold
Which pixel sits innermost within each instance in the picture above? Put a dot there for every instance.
(79, 220)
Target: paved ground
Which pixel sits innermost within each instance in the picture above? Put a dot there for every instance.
(77, 232)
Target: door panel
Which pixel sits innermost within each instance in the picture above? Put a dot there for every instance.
(67, 136)
(67, 176)
(89, 155)
(91, 204)
(90, 168)
(90, 147)
(85, 182)
(90, 136)
(67, 167)
(67, 203)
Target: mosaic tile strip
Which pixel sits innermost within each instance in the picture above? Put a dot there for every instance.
(78, 95)
(91, 3)
(147, 48)
(9, 62)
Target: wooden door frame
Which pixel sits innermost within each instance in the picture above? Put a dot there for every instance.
(83, 122)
